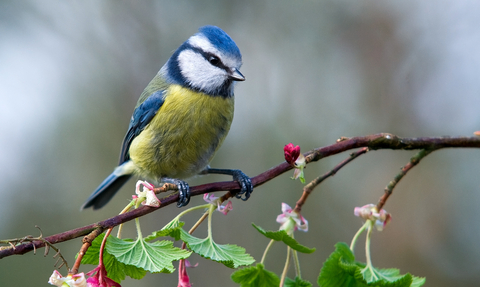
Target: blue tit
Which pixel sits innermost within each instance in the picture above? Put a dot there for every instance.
(181, 119)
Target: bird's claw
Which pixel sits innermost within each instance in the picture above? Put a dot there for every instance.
(246, 186)
(183, 193)
(183, 190)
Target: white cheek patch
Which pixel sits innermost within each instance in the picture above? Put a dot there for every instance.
(199, 72)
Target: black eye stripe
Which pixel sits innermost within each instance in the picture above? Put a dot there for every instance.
(214, 60)
(208, 56)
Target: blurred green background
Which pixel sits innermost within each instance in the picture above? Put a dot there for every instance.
(71, 73)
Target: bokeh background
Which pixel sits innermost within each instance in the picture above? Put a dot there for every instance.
(71, 73)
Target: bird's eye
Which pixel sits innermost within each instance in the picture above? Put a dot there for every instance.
(214, 60)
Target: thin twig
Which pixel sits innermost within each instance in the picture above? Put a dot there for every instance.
(87, 242)
(314, 183)
(391, 185)
(197, 224)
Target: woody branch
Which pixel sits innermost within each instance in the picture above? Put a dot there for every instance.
(372, 142)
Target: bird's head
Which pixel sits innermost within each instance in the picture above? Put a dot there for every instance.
(207, 62)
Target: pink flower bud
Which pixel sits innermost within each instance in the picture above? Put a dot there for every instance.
(369, 212)
(291, 153)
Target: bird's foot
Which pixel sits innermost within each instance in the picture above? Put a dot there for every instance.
(183, 190)
(245, 184)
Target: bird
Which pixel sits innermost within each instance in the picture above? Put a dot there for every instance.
(181, 119)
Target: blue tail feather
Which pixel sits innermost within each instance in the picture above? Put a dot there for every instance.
(107, 189)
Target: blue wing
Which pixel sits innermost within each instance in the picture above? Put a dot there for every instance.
(141, 117)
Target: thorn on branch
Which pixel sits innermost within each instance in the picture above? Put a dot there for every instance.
(31, 239)
(47, 249)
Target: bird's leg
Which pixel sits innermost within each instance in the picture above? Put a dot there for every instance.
(246, 186)
(183, 190)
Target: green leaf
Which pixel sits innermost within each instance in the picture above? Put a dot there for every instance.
(418, 281)
(282, 235)
(115, 270)
(335, 275)
(297, 283)
(133, 271)
(389, 277)
(171, 229)
(341, 270)
(151, 256)
(368, 275)
(255, 276)
(228, 254)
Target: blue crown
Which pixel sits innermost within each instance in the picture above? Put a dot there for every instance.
(221, 40)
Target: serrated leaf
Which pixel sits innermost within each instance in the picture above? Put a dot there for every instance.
(168, 230)
(229, 255)
(151, 256)
(390, 275)
(386, 277)
(255, 276)
(297, 283)
(133, 272)
(282, 235)
(368, 277)
(173, 224)
(332, 274)
(341, 270)
(418, 281)
(116, 270)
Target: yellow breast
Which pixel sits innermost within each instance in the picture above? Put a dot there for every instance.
(183, 136)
